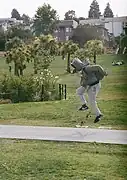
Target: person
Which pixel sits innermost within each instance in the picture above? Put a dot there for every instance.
(91, 75)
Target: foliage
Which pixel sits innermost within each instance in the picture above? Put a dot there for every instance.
(2, 39)
(19, 55)
(26, 19)
(69, 48)
(45, 20)
(123, 42)
(42, 60)
(15, 14)
(42, 50)
(69, 15)
(13, 43)
(94, 46)
(29, 88)
(17, 89)
(94, 11)
(50, 86)
(84, 33)
(108, 13)
(82, 54)
(90, 50)
(81, 18)
(18, 31)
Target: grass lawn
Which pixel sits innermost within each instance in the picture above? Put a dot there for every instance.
(37, 160)
(112, 100)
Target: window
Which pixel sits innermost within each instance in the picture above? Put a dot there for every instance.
(67, 38)
(56, 30)
(67, 29)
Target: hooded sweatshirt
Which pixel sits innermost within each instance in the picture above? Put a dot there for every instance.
(90, 74)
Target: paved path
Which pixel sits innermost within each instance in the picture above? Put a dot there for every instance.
(64, 134)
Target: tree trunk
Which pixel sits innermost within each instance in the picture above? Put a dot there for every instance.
(68, 63)
(95, 58)
(21, 71)
(16, 72)
(35, 66)
(35, 71)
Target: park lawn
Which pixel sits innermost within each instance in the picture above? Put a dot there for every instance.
(39, 160)
(112, 100)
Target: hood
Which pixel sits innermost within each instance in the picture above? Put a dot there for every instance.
(78, 65)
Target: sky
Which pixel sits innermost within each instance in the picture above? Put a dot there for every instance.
(81, 7)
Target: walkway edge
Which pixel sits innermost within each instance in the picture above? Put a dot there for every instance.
(63, 134)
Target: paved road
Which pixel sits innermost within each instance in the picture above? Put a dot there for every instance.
(64, 134)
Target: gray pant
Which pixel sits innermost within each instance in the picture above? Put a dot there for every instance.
(92, 94)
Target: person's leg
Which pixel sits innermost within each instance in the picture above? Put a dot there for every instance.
(92, 93)
(80, 92)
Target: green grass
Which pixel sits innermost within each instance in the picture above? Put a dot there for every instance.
(36, 160)
(112, 100)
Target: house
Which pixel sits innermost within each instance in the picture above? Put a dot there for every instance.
(64, 30)
(114, 25)
(5, 23)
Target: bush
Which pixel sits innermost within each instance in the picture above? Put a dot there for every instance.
(18, 89)
(47, 86)
(29, 88)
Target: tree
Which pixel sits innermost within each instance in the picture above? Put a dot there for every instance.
(70, 15)
(94, 11)
(84, 33)
(45, 20)
(43, 50)
(94, 48)
(19, 55)
(2, 39)
(81, 18)
(69, 48)
(15, 14)
(13, 43)
(26, 19)
(123, 40)
(108, 13)
(18, 31)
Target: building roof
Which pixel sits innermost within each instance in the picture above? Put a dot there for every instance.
(66, 23)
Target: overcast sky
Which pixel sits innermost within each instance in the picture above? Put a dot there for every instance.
(81, 7)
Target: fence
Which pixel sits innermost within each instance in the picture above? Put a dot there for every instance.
(62, 94)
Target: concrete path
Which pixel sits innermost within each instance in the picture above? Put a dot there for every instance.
(64, 134)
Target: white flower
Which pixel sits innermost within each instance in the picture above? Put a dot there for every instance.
(41, 73)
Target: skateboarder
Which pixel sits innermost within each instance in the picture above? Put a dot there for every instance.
(91, 75)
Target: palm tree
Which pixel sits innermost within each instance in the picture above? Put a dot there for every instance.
(94, 48)
(69, 48)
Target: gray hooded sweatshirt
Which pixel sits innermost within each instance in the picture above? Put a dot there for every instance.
(90, 74)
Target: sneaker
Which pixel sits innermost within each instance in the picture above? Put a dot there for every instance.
(98, 118)
(83, 107)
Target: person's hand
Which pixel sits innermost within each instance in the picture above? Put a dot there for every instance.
(74, 71)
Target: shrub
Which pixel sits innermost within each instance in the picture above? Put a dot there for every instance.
(29, 88)
(18, 89)
(47, 83)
